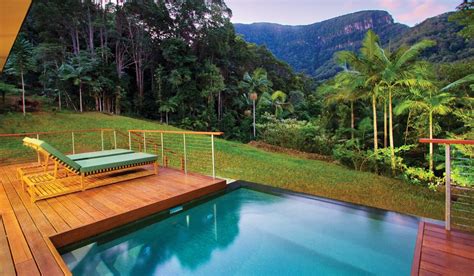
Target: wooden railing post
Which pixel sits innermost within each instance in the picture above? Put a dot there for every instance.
(129, 140)
(213, 158)
(448, 187)
(162, 150)
(38, 154)
(73, 143)
(115, 139)
(144, 141)
(184, 153)
(102, 138)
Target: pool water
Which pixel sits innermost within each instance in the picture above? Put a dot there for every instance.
(247, 232)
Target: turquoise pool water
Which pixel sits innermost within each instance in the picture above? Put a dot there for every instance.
(246, 232)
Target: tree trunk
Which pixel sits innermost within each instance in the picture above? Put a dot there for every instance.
(408, 124)
(431, 144)
(352, 120)
(91, 31)
(390, 118)
(374, 114)
(166, 117)
(59, 100)
(80, 96)
(23, 92)
(385, 123)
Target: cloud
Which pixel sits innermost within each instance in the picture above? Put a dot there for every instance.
(390, 4)
(417, 10)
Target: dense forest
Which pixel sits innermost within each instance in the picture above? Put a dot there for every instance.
(173, 61)
(182, 63)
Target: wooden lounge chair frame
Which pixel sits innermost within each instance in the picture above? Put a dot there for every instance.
(53, 176)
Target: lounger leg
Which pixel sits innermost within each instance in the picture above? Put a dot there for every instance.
(55, 170)
(46, 164)
(82, 182)
(155, 165)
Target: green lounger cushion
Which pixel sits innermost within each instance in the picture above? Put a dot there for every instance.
(98, 154)
(54, 152)
(60, 156)
(117, 161)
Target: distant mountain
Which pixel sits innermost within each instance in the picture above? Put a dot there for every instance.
(310, 48)
(449, 45)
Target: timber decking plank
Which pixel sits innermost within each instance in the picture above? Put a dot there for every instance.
(87, 207)
(428, 273)
(446, 252)
(38, 217)
(80, 214)
(440, 229)
(18, 245)
(32, 235)
(450, 238)
(448, 247)
(96, 204)
(54, 218)
(64, 213)
(7, 266)
(448, 260)
(27, 268)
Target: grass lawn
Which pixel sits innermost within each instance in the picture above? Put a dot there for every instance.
(239, 161)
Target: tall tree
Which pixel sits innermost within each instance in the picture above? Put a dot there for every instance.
(21, 62)
(399, 70)
(78, 69)
(366, 69)
(427, 102)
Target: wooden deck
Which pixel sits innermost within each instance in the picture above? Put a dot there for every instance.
(439, 252)
(30, 231)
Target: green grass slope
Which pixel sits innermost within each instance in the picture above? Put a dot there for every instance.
(239, 161)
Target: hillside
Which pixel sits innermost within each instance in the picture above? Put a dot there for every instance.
(449, 47)
(240, 161)
(310, 48)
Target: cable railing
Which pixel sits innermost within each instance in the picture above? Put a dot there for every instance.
(185, 150)
(190, 151)
(12, 150)
(459, 182)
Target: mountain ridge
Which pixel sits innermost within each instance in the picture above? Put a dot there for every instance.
(310, 48)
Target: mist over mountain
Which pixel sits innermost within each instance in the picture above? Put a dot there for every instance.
(310, 48)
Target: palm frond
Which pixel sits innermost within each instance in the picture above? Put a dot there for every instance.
(413, 52)
(466, 79)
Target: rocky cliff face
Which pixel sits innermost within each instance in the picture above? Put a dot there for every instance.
(310, 48)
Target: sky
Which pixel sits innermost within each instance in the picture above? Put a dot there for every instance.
(301, 12)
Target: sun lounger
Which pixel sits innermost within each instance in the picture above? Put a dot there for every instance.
(90, 164)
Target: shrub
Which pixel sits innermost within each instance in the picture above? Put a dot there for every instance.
(291, 133)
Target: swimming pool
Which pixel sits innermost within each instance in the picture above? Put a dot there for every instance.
(246, 231)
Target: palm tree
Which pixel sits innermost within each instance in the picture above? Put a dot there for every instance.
(400, 70)
(365, 72)
(257, 82)
(428, 102)
(19, 63)
(78, 69)
(278, 100)
(168, 106)
(345, 89)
